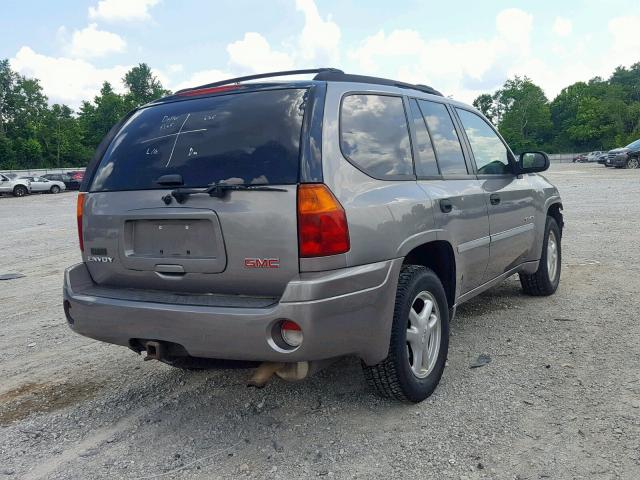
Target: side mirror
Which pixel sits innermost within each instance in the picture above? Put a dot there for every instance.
(531, 162)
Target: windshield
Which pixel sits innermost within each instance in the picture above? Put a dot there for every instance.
(635, 144)
(244, 138)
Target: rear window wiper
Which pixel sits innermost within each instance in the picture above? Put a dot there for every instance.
(218, 190)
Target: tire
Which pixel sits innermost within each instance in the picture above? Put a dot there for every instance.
(55, 189)
(395, 376)
(20, 191)
(546, 279)
(632, 162)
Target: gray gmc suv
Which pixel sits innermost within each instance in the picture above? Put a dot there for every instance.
(294, 222)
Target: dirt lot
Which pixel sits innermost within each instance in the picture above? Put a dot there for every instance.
(560, 399)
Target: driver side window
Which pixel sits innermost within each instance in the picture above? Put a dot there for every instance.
(490, 153)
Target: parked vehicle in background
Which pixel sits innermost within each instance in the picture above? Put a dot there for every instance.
(296, 222)
(602, 158)
(18, 187)
(592, 157)
(79, 175)
(69, 181)
(41, 184)
(625, 157)
(579, 158)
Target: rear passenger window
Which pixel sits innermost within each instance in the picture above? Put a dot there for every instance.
(425, 160)
(445, 138)
(375, 136)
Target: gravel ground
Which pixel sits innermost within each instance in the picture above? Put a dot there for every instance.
(560, 398)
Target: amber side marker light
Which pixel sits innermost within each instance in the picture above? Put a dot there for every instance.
(322, 222)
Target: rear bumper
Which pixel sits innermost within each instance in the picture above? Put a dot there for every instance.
(341, 312)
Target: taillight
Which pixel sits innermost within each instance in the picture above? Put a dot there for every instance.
(322, 223)
(79, 212)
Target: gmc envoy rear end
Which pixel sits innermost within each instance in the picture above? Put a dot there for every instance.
(295, 222)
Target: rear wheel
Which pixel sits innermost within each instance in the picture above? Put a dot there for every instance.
(20, 191)
(55, 189)
(419, 339)
(546, 279)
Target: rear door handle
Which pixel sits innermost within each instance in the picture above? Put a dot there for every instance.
(494, 198)
(445, 205)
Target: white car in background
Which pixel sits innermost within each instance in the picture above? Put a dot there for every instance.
(18, 187)
(41, 184)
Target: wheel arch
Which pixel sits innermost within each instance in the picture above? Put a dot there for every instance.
(19, 185)
(555, 211)
(438, 256)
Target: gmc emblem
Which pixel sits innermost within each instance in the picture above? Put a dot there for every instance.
(261, 263)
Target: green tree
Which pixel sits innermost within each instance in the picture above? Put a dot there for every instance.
(97, 118)
(485, 103)
(34, 134)
(524, 115)
(142, 86)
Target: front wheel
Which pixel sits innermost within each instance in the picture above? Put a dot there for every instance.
(632, 162)
(419, 339)
(546, 279)
(20, 191)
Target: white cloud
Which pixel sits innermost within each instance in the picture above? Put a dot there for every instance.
(462, 69)
(626, 40)
(91, 42)
(201, 78)
(320, 39)
(514, 26)
(562, 26)
(254, 53)
(318, 44)
(67, 80)
(122, 10)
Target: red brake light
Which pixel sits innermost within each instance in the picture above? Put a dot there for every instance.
(322, 223)
(79, 212)
(206, 91)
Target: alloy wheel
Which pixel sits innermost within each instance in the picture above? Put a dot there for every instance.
(552, 256)
(423, 334)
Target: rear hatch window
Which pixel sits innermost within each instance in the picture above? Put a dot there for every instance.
(242, 138)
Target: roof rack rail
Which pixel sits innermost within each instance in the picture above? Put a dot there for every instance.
(263, 75)
(339, 76)
(323, 74)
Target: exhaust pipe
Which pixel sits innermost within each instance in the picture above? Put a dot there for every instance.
(155, 350)
(290, 372)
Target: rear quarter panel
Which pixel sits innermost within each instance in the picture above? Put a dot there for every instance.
(386, 218)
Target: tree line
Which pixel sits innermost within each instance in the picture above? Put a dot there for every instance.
(34, 134)
(595, 115)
